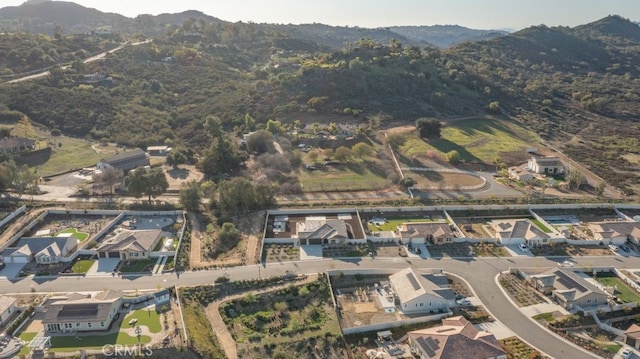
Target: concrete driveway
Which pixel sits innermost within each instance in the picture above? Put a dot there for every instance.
(103, 266)
(11, 270)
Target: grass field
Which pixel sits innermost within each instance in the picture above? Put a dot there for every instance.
(149, 318)
(82, 236)
(341, 180)
(625, 294)
(480, 139)
(71, 344)
(82, 266)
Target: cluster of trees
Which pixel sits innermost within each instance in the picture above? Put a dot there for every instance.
(20, 179)
(150, 182)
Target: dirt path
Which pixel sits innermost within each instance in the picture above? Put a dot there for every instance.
(218, 326)
(22, 221)
(195, 256)
(254, 228)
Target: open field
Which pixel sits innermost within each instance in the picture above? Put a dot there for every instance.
(427, 179)
(343, 179)
(477, 140)
(70, 153)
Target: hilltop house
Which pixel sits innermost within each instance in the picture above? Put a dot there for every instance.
(130, 245)
(79, 312)
(520, 174)
(545, 165)
(420, 233)
(455, 338)
(519, 231)
(417, 294)
(125, 161)
(44, 250)
(13, 145)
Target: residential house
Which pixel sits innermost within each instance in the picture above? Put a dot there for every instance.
(513, 231)
(130, 245)
(632, 336)
(44, 250)
(520, 174)
(420, 233)
(94, 78)
(568, 287)
(322, 231)
(545, 165)
(455, 338)
(158, 150)
(7, 309)
(417, 294)
(81, 313)
(13, 145)
(125, 161)
(616, 232)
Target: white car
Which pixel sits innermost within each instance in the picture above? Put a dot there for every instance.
(566, 263)
(626, 353)
(522, 247)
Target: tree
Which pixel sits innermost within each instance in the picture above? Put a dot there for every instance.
(274, 126)
(260, 142)
(407, 182)
(494, 107)
(428, 127)
(453, 157)
(361, 150)
(151, 183)
(176, 158)
(576, 179)
(600, 189)
(343, 154)
(239, 196)
(249, 123)
(229, 234)
(108, 178)
(190, 195)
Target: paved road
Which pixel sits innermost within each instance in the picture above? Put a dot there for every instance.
(87, 60)
(480, 273)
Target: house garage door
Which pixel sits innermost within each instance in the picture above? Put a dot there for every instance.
(16, 259)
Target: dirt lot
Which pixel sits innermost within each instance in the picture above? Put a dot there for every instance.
(185, 173)
(522, 293)
(564, 249)
(431, 179)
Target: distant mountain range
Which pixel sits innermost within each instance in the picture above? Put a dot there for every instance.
(45, 16)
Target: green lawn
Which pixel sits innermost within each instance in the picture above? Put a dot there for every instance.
(475, 139)
(540, 225)
(82, 236)
(625, 294)
(149, 318)
(82, 266)
(70, 343)
(26, 337)
(341, 180)
(138, 265)
(547, 317)
(392, 224)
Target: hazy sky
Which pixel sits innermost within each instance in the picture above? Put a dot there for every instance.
(481, 14)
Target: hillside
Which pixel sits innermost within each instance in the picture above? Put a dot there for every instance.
(444, 35)
(575, 87)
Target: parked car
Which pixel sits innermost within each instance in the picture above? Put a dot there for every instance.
(566, 263)
(523, 247)
(625, 248)
(626, 353)
(463, 302)
(417, 250)
(613, 248)
(460, 296)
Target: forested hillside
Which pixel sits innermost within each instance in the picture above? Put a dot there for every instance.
(576, 87)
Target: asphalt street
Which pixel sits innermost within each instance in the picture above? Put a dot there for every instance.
(480, 273)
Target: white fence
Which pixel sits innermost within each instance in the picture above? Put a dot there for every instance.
(397, 323)
(13, 215)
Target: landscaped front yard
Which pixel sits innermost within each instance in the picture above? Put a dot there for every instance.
(82, 266)
(145, 318)
(141, 265)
